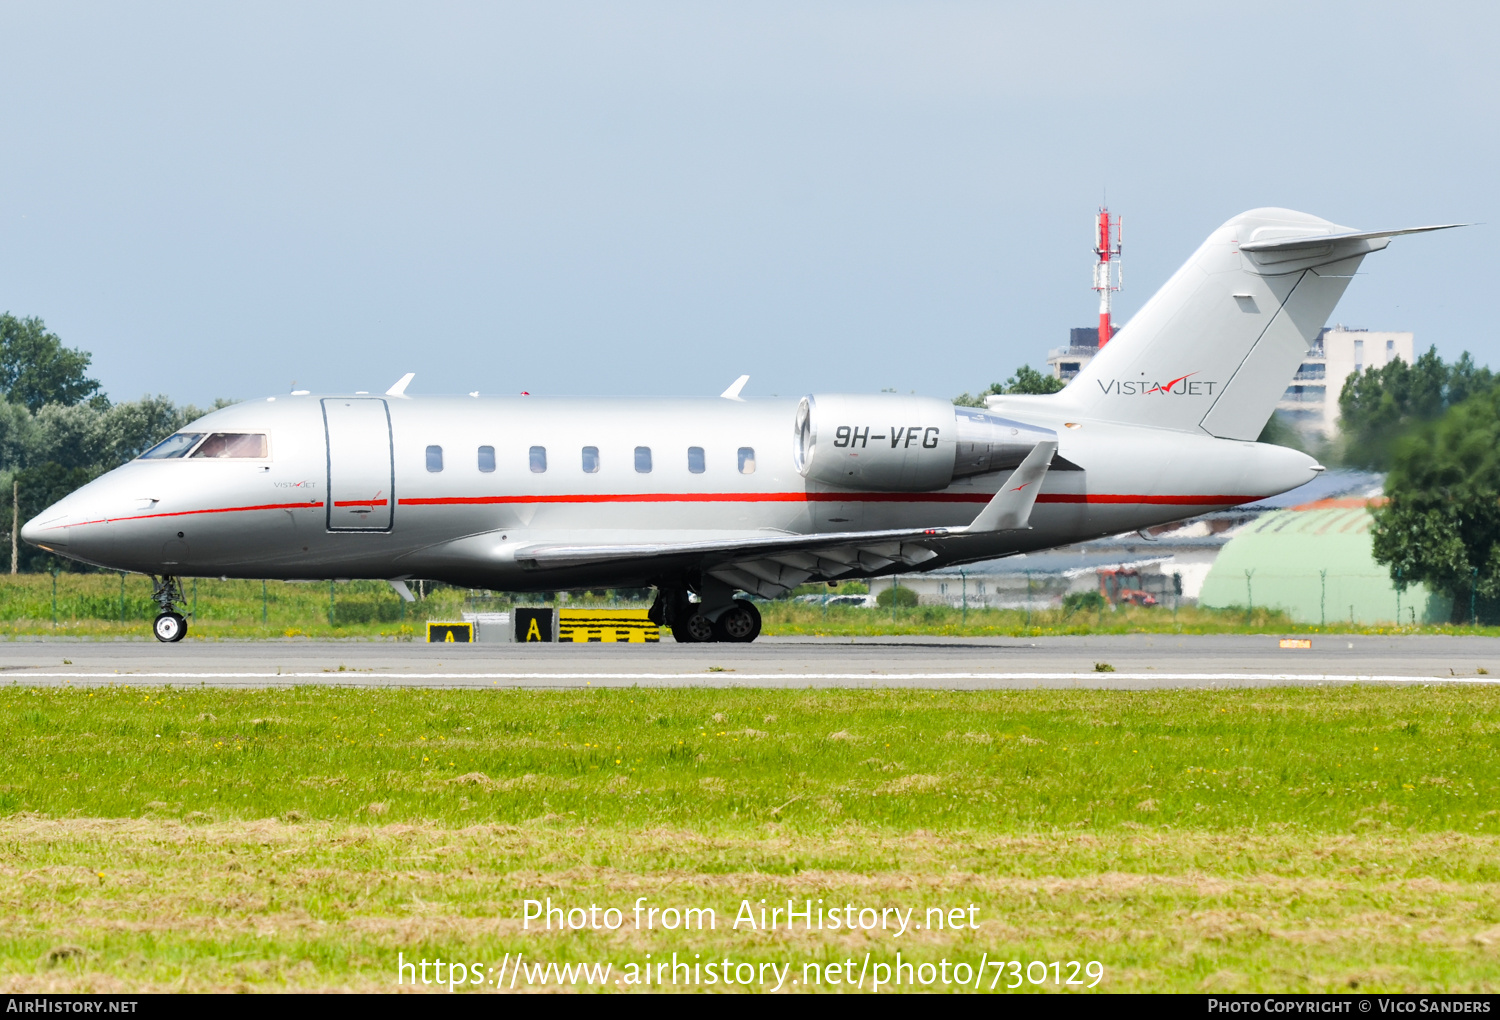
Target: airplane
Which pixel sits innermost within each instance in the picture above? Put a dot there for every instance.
(707, 498)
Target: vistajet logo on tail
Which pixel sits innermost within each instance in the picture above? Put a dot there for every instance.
(1182, 386)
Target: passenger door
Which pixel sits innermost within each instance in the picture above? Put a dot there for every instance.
(361, 464)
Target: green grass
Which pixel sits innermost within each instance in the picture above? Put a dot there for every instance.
(1296, 839)
(90, 606)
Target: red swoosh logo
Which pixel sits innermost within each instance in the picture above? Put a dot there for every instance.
(1168, 387)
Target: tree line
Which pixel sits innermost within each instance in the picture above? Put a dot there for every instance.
(59, 431)
(1434, 428)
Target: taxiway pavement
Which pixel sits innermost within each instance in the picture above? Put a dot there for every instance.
(1140, 662)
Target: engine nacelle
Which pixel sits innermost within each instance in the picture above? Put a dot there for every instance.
(988, 442)
(904, 444)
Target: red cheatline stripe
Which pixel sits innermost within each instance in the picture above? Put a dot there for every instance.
(1104, 497)
(711, 497)
(723, 497)
(827, 497)
(185, 513)
(621, 497)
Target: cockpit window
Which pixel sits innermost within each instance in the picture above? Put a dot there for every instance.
(242, 445)
(172, 446)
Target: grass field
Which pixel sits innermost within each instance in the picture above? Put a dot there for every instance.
(1299, 839)
(93, 606)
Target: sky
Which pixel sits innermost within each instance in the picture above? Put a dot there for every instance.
(233, 200)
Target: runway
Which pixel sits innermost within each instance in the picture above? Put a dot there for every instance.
(1140, 662)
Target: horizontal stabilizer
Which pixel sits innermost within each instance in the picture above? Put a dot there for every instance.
(1317, 240)
(1010, 510)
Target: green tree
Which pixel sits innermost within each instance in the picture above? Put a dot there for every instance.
(36, 369)
(38, 488)
(1280, 432)
(1441, 524)
(1379, 406)
(57, 431)
(1026, 380)
(904, 598)
(59, 449)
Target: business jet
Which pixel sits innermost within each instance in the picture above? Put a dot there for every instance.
(705, 499)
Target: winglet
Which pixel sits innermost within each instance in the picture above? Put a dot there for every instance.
(733, 393)
(399, 390)
(1010, 510)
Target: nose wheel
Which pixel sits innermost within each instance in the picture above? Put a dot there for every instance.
(170, 626)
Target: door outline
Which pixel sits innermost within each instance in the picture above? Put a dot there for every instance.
(390, 436)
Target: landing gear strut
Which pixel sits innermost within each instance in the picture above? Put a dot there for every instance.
(170, 625)
(719, 617)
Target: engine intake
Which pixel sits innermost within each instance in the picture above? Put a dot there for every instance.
(904, 444)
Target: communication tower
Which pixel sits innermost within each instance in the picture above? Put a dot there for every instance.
(1107, 280)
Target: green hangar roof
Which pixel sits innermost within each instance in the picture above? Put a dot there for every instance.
(1315, 564)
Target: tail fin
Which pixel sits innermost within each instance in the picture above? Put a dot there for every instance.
(1216, 347)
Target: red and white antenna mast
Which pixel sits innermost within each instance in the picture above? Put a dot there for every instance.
(1106, 280)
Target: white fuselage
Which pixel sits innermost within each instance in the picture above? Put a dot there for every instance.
(292, 514)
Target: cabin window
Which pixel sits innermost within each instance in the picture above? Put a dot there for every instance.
(172, 446)
(434, 458)
(538, 459)
(747, 460)
(695, 459)
(243, 445)
(486, 458)
(643, 460)
(591, 460)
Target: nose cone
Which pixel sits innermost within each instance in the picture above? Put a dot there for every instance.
(47, 530)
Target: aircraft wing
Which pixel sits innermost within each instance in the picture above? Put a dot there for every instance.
(770, 565)
(766, 565)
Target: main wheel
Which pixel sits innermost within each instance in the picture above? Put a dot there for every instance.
(739, 623)
(694, 629)
(169, 627)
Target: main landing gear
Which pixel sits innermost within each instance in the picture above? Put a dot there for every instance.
(719, 617)
(170, 625)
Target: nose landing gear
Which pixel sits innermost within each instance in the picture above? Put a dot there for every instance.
(170, 625)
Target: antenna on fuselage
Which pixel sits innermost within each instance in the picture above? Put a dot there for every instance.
(399, 390)
(733, 393)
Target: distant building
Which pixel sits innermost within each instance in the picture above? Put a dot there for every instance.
(1083, 345)
(1174, 563)
(1311, 402)
(1315, 562)
(1170, 566)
